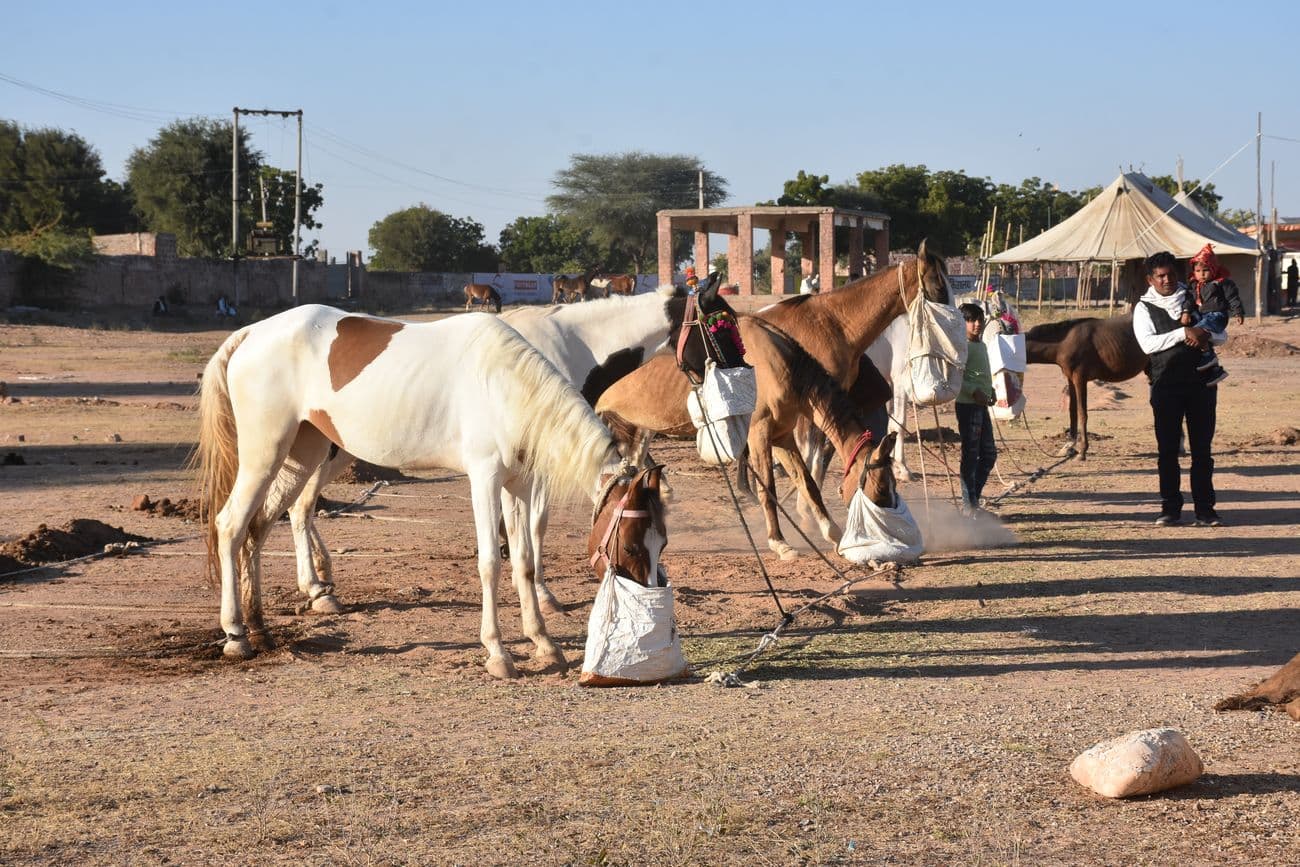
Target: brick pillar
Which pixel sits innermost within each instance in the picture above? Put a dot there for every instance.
(807, 242)
(882, 248)
(744, 267)
(702, 265)
(777, 245)
(826, 250)
(665, 250)
(856, 257)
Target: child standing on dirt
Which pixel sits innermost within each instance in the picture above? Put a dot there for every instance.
(978, 451)
(1210, 296)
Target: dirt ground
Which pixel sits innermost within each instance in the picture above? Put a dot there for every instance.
(932, 721)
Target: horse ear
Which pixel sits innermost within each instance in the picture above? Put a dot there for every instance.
(887, 444)
(708, 296)
(923, 254)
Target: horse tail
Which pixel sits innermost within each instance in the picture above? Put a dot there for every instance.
(216, 457)
(551, 431)
(742, 471)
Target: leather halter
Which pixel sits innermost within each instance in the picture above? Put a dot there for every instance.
(620, 511)
(685, 331)
(857, 447)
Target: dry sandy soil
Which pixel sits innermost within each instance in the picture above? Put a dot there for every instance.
(929, 721)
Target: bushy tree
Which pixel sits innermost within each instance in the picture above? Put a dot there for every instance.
(550, 245)
(420, 238)
(279, 207)
(52, 178)
(1205, 195)
(615, 197)
(181, 182)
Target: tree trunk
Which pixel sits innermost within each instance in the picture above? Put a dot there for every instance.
(1282, 688)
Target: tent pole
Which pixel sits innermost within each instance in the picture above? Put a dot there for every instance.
(1042, 271)
(1114, 276)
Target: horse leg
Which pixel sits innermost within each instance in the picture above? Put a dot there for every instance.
(760, 453)
(258, 466)
(809, 490)
(485, 485)
(898, 422)
(523, 559)
(1080, 394)
(315, 571)
(538, 519)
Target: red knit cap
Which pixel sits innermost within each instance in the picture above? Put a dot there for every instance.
(1207, 258)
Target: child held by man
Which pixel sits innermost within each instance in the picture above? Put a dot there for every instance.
(1211, 296)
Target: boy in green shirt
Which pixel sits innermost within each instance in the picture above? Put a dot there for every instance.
(978, 451)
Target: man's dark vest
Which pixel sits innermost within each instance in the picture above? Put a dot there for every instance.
(1177, 364)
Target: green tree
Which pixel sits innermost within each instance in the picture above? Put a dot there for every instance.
(947, 207)
(1239, 217)
(901, 190)
(808, 190)
(1205, 196)
(1034, 205)
(280, 186)
(549, 245)
(422, 239)
(49, 177)
(615, 197)
(181, 181)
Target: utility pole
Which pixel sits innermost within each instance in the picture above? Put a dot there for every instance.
(234, 205)
(1259, 222)
(701, 189)
(297, 195)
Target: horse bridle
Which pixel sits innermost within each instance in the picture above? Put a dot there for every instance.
(711, 347)
(864, 440)
(624, 475)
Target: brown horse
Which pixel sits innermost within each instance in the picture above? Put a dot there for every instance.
(566, 290)
(614, 284)
(1085, 349)
(482, 293)
(837, 327)
(791, 385)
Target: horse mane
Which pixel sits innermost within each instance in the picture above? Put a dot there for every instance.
(1054, 332)
(545, 423)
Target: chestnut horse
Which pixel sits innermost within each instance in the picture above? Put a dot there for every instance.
(614, 284)
(279, 394)
(566, 290)
(791, 385)
(1085, 349)
(482, 293)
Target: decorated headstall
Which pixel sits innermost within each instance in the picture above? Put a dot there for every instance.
(719, 330)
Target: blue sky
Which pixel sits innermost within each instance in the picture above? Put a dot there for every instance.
(473, 107)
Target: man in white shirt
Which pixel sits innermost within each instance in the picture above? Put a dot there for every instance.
(1178, 392)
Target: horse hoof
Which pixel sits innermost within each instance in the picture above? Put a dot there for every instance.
(326, 604)
(237, 649)
(553, 661)
(501, 668)
(784, 551)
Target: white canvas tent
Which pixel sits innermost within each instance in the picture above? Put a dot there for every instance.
(1128, 221)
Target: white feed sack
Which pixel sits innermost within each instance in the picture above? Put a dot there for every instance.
(728, 396)
(1007, 361)
(876, 533)
(936, 354)
(632, 636)
(1137, 763)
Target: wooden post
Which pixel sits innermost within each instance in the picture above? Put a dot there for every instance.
(1042, 271)
(1114, 278)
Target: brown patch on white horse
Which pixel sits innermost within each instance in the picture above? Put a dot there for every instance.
(320, 419)
(358, 340)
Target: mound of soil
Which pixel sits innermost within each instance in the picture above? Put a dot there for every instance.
(1282, 436)
(77, 538)
(1253, 346)
(362, 473)
(166, 508)
(9, 564)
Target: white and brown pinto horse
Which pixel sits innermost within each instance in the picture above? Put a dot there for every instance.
(482, 294)
(591, 346)
(614, 284)
(278, 395)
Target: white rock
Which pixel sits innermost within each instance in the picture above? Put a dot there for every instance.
(1138, 763)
